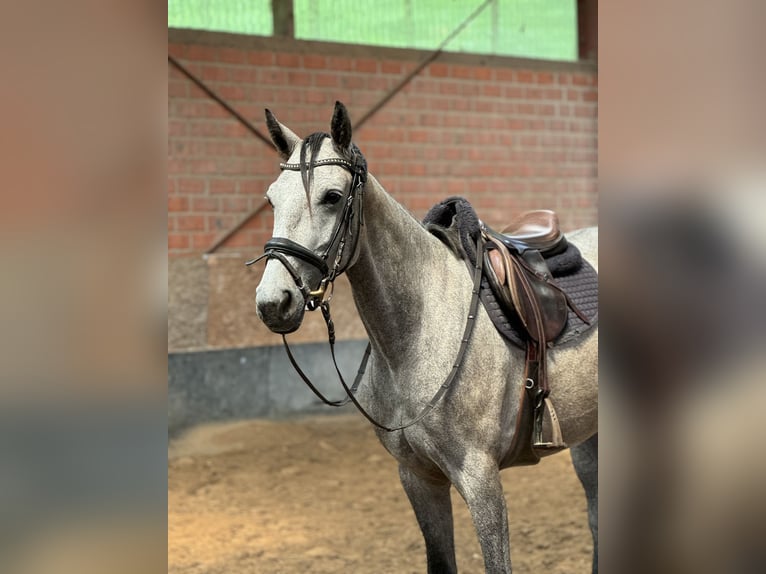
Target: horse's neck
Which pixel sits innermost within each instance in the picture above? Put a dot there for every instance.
(400, 277)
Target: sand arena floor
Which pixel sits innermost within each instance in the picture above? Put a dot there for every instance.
(320, 494)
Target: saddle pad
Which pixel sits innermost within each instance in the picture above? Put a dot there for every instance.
(455, 222)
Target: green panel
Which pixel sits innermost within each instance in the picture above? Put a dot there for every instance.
(235, 16)
(530, 28)
(537, 29)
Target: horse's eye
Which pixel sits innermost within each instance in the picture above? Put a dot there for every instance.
(268, 199)
(332, 197)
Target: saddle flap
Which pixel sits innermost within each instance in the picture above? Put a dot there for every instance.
(497, 265)
(541, 308)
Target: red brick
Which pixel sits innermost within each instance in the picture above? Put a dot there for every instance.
(314, 61)
(215, 73)
(342, 64)
(178, 88)
(205, 204)
(492, 90)
(220, 223)
(205, 53)
(235, 204)
(191, 222)
(546, 110)
(176, 128)
(451, 88)
(221, 148)
(416, 169)
(326, 80)
(482, 73)
(378, 83)
(232, 92)
(272, 76)
(544, 78)
(482, 106)
(223, 186)
(316, 97)
(525, 77)
(298, 79)
(239, 240)
(438, 70)
(190, 185)
(178, 51)
(232, 56)
(390, 67)
(288, 60)
(352, 82)
(178, 241)
(366, 66)
(585, 111)
(260, 58)
(243, 75)
(178, 203)
(552, 94)
(203, 166)
(202, 241)
(461, 72)
(590, 96)
(423, 138)
(504, 75)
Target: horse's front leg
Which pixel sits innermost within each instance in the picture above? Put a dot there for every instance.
(479, 485)
(431, 501)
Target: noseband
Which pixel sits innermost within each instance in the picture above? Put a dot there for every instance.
(347, 229)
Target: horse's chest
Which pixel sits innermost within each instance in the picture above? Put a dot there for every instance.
(397, 445)
(410, 451)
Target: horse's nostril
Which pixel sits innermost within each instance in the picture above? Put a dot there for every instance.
(284, 304)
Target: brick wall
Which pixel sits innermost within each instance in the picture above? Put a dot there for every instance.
(508, 134)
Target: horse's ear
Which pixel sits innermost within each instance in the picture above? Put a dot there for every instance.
(284, 139)
(340, 128)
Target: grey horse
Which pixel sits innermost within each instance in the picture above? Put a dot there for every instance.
(413, 294)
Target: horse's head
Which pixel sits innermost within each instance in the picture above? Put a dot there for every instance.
(317, 202)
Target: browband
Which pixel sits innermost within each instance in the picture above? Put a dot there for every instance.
(320, 162)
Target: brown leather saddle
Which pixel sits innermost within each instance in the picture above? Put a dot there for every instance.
(519, 277)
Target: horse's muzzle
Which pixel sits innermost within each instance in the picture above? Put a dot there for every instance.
(281, 311)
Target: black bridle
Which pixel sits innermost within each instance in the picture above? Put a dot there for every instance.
(345, 235)
(346, 229)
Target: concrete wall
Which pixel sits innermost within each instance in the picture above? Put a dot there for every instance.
(254, 382)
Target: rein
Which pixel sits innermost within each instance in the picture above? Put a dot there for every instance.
(280, 247)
